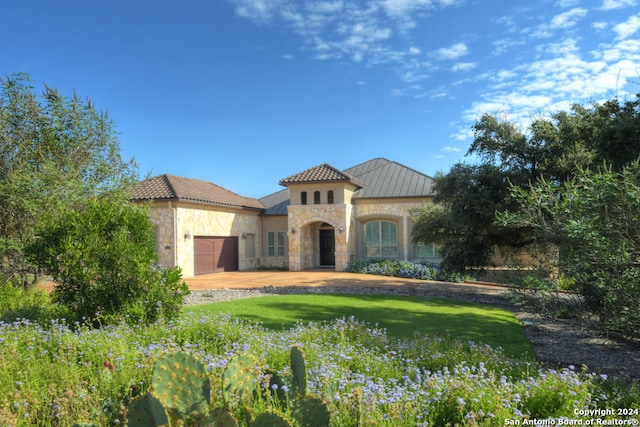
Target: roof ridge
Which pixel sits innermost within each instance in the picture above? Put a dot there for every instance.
(410, 168)
(167, 179)
(210, 183)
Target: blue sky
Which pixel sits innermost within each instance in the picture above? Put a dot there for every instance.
(244, 93)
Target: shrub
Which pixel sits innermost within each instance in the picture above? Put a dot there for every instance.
(103, 259)
(17, 302)
(398, 268)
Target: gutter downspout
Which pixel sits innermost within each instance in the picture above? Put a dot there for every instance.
(175, 234)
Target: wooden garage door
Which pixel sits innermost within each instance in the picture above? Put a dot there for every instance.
(215, 254)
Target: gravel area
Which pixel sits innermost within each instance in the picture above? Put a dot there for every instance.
(557, 343)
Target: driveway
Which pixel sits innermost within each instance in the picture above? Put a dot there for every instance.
(319, 278)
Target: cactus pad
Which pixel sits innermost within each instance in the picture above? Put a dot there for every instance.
(221, 417)
(298, 370)
(240, 378)
(311, 411)
(270, 419)
(181, 383)
(147, 411)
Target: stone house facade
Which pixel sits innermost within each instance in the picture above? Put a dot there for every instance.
(324, 217)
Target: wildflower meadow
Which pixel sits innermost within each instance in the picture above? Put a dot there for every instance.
(58, 374)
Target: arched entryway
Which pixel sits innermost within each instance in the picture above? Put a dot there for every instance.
(327, 245)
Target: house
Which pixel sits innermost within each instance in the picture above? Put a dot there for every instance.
(324, 217)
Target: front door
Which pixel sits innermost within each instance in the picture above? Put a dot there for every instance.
(327, 247)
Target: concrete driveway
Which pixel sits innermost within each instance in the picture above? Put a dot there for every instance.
(318, 278)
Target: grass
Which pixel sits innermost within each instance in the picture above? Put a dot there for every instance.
(402, 317)
(57, 373)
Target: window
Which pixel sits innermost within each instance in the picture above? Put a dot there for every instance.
(429, 250)
(303, 198)
(275, 247)
(271, 244)
(330, 197)
(280, 243)
(316, 197)
(381, 239)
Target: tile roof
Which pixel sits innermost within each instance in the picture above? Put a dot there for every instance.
(176, 188)
(320, 173)
(378, 178)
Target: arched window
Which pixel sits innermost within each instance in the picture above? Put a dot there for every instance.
(330, 197)
(316, 197)
(303, 198)
(381, 239)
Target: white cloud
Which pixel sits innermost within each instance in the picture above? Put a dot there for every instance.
(450, 149)
(567, 3)
(450, 53)
(628, 28)
(568, 19)
(599, 26)
(502, 46)
(257, 10)
(562, 21)
(531, 77)
(462, 67)
(617, 4)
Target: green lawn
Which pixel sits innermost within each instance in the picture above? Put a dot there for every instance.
(403, 317)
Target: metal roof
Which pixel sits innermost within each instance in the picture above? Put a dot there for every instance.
(176, 188)
(386, 178)
(378, 178)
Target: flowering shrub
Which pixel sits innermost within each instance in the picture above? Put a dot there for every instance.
(398, 268)
(57, 375)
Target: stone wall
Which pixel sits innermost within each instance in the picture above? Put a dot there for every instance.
(162, 217)
(303, 244)
(176, 224)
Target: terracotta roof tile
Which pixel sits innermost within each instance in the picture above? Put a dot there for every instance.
(176, 188)
(320, 173)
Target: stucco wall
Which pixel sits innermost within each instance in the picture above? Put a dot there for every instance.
(275, 224)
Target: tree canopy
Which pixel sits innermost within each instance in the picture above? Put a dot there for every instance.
(55, 152)
(554, 149)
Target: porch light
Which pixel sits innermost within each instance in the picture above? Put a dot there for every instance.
(340, 229)
(293, 230)
(187, 235)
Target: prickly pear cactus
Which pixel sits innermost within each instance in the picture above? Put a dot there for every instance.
(311, 411)
(298, 370)
(181, 383)
(147, 411)
(240, 378)
(271, 419)
(276, 386)
(221, 417)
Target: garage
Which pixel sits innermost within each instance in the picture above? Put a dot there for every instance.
(215, 254)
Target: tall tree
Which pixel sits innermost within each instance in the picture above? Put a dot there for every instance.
(594, 219)
(552, 148)
(55, 151)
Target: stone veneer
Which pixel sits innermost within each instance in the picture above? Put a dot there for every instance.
(173, 221)
(306, 220)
